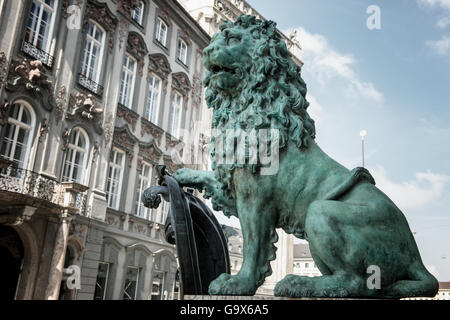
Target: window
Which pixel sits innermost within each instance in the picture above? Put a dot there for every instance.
(93, 52)
(175, 115)
(102, 281)
(127, 81)
(76, 156)
(115, 177)
(235, 264)
(144, 181)
(16, 142)
(230, 247)
(138, 13)
(182, 51)
(131, 281)
(153, 99)
(306, 265)
(240, 249)
(161, 32)
(158, 285)
(40, 24)
(176, 286)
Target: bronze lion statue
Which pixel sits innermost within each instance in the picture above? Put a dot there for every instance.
(352, 227)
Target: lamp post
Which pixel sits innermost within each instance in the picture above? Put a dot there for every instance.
(362, 133)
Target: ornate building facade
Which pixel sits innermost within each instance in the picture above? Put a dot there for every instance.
(93, 95)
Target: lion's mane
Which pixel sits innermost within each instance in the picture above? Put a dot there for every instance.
(273, 94)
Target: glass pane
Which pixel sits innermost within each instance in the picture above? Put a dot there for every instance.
(129, 292)
(102, 281)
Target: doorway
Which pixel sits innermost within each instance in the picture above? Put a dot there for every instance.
(11, 260)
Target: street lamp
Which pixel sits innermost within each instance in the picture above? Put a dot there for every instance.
(362, 133)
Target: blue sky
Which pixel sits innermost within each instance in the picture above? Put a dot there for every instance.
(394, 83)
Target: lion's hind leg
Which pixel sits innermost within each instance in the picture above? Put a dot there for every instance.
(423, 284)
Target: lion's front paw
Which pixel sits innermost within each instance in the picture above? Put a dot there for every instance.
(227, 284)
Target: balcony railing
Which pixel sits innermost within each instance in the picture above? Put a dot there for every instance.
(36, 53)
(90, 84)
(32, 184)
(13, 179)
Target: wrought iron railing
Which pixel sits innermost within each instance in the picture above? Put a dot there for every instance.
(30, 183)
(82, 204)
(90, 84)
(34, 52)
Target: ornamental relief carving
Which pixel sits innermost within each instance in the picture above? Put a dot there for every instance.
(138, 49)
(125, 140)
(3, 68)
(126, 7)
(149, 128)
(128, 115)
(31, 76)
(181, 83)
(60, 104)
(84, 107)
(100, 13)
(159, 65)
(151, 152)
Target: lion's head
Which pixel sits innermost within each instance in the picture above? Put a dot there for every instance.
(253, 83)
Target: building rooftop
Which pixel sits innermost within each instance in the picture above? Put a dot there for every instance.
(444, 285)
(301, 250)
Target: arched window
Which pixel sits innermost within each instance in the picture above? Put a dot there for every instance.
(16, 142)
(76, 156)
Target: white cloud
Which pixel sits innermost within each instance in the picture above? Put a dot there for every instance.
(441, 47)
(326, 63)
(433, 271)
(315, 109)
(443, 22)
(424, 189)
(445, 4)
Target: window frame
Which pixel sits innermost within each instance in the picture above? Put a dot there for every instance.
(133, 72)
(179, 58)
(52, 20)
(83, 166)
(140, 180)
(142, 12)
(172, 120)
(137, 282)
(113, 166)
(157, 104)
(159, 22)
(17, 126)
(106, 278)
(88, 39)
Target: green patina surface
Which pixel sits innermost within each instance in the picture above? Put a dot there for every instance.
(253, 83)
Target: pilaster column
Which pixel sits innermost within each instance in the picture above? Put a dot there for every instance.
(58, 258)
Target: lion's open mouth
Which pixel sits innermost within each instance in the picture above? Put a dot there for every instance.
(217, 69)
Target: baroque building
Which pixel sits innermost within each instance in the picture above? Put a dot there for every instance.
(94, 94)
